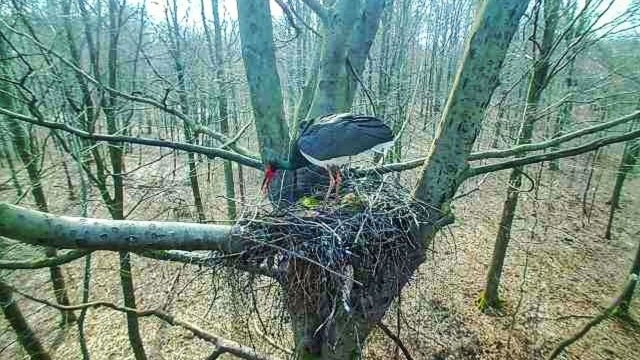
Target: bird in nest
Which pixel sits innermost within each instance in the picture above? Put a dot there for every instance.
(330, 142)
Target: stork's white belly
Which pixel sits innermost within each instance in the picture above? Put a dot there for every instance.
(341, 160)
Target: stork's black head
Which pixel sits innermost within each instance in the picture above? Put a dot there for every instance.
(271, 168)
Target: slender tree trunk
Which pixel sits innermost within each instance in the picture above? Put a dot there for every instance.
(222, 108)
(538, 81)
(564, 118)
(27, 152)
(30, 161)
(26, 337)
(4, 148)
(629, 159)
(184, 105)
(625, 302)
(116, 154)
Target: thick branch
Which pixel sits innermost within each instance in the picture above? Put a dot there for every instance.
(593, 145)
(43, 262)
(492, 154)
(221, 344)
(38, 228)
(208, 151)
(629, 287)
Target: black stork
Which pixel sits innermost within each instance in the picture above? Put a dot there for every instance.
(330, 142)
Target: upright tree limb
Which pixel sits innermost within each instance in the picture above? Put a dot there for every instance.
(477, 78)
(258, 53)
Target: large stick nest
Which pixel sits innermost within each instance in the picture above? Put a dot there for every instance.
(369, 227)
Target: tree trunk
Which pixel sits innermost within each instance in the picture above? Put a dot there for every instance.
(537, 83)
(30, 161)
(331, 90)
(26, 337)
(116, 205)
(4, 148)
(629, 159)
(564, 118)
(625, 302)
(176, 52)
(222, 109)
(28, 153)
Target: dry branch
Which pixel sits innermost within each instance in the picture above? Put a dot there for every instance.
(590, 146)
(494, 154)
(197, 128)
(629, 287)
(43, 262)
(396, 340)
(221, 344)
(208, 151)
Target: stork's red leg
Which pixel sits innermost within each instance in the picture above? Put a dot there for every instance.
(331, 184)
(338, 181)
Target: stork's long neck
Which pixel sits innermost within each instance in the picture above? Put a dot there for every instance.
(295, 161)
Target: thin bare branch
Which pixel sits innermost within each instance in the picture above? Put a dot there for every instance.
(590, 146)
(208, 151)
(221, 344)
(629, 287)
(44, 262)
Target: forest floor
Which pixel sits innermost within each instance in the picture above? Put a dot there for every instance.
(559, 271)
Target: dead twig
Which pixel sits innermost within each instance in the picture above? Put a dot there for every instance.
(630, 286)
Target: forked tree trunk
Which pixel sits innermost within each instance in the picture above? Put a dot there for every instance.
(344, 336)
(26, 337)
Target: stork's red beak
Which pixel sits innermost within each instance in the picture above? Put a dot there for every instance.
(269, 174)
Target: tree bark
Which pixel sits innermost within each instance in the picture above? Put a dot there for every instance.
(26, 337)
(330, 95)
(223, 113)
(30, 159)
(537, 83)
(627, 163)
(116, 206)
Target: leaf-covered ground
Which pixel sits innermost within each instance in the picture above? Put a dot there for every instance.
(558, 272)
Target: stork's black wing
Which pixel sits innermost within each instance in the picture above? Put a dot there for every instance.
(343, 135)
